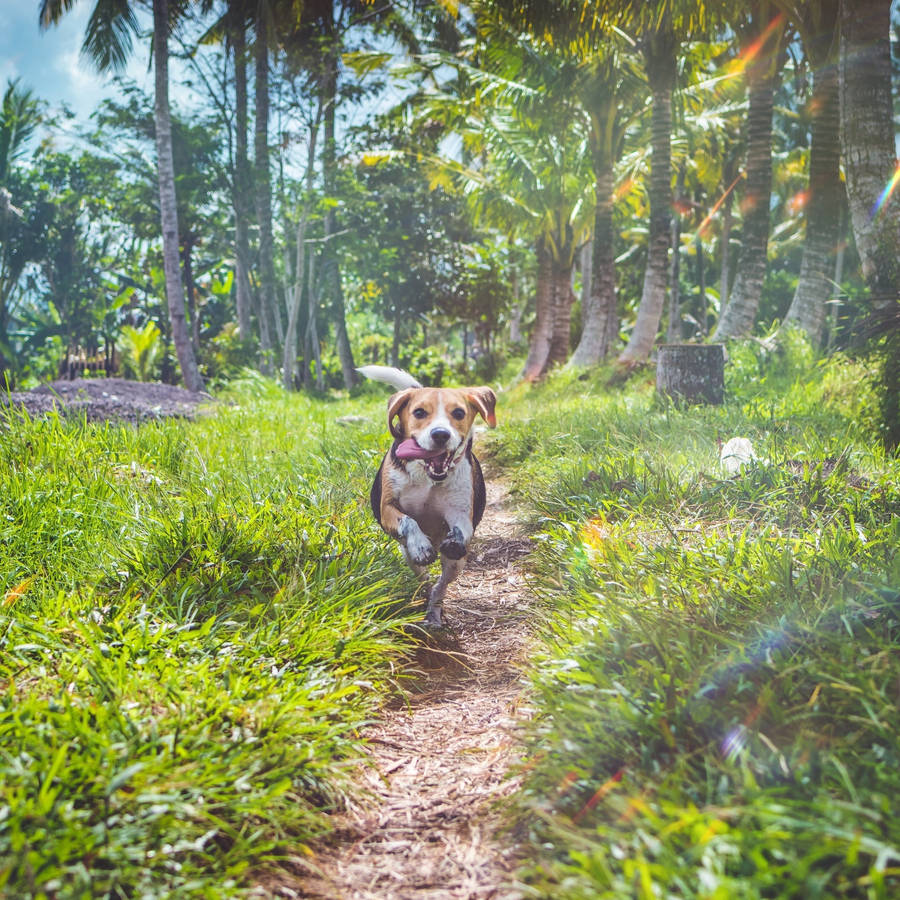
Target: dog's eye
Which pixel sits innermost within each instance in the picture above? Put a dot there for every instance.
(419, 413)
(458, 413)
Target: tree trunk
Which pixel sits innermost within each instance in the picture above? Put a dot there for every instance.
(289, 358)
(738, 317)
(518, 311)
(661, 73)
(872, 174)
(263, 191)
(835, 314)
(332, 271)
(701, 278)
(673, 334)
(167, 204)
(240, 200)
(542, 333)
(691, 372)
(312, 350)
(870, 161)
(290, 350)
(563, 298)
(586, 262)
(725, 250)
(823, 207)
(599, 316)
(189, 287)
(395, 343)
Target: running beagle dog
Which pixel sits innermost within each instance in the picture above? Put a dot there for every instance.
(429, 491)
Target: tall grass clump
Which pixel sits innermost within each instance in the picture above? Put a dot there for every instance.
(715, 691)
(195, 619)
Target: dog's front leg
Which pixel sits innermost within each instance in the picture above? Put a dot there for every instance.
(418, 549)
(459, 533)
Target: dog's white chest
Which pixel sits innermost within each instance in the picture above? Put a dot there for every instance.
(419, 496)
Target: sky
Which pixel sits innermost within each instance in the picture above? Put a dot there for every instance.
(51, 65)
(49, 62)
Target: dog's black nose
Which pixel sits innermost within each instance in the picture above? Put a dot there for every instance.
(440, 436)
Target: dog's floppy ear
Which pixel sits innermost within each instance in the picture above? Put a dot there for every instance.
(484, 400)
(395, 406)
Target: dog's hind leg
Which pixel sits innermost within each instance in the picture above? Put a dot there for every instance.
(450, 570)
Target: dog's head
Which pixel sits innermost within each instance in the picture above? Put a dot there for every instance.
(438, 422)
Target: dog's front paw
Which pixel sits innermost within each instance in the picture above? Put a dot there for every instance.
(419, 549)
(454, 545)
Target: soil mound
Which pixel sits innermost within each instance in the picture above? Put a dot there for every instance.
(108, 399)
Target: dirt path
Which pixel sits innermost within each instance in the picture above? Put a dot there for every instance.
(439, 760)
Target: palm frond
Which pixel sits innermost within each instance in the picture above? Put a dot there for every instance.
(108, 36)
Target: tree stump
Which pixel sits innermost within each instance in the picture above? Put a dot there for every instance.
(691, 373)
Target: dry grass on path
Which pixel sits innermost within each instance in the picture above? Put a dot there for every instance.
(440, 759)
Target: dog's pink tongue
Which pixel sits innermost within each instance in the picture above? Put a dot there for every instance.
(409, 449)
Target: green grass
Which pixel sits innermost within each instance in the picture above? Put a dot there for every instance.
(716, 697)
(195, 619)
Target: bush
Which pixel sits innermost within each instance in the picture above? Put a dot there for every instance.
(140, 350)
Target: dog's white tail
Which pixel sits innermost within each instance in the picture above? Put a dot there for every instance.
(389, 375)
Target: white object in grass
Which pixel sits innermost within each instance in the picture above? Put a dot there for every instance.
(735, 453)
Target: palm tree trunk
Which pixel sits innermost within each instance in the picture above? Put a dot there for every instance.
(395, 342)
(331, 270)
(823, 208)
(289, 356)
(312, 353)
(661, 73)
(701, 277)
(187, 261)
(263, 190)
(243, 297)
(290, 350)
(518, 310)
(725, 252)
(167, 204)
(834, 315)
(673, 333)
(599, 317)
(542, 333)
(868, 143)
(738, 317)
(563, 298)
(872, 171)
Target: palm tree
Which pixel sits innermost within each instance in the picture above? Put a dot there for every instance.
(262, 187)
(582, 35)
(817, 22)
(107, 43)
(868, 144)
(526, 173)
(659, 50)
(315, 43)
(608, 92)
(20, 237)
(237, 35)
(526, 120)
(872, 176)
(761, 35)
